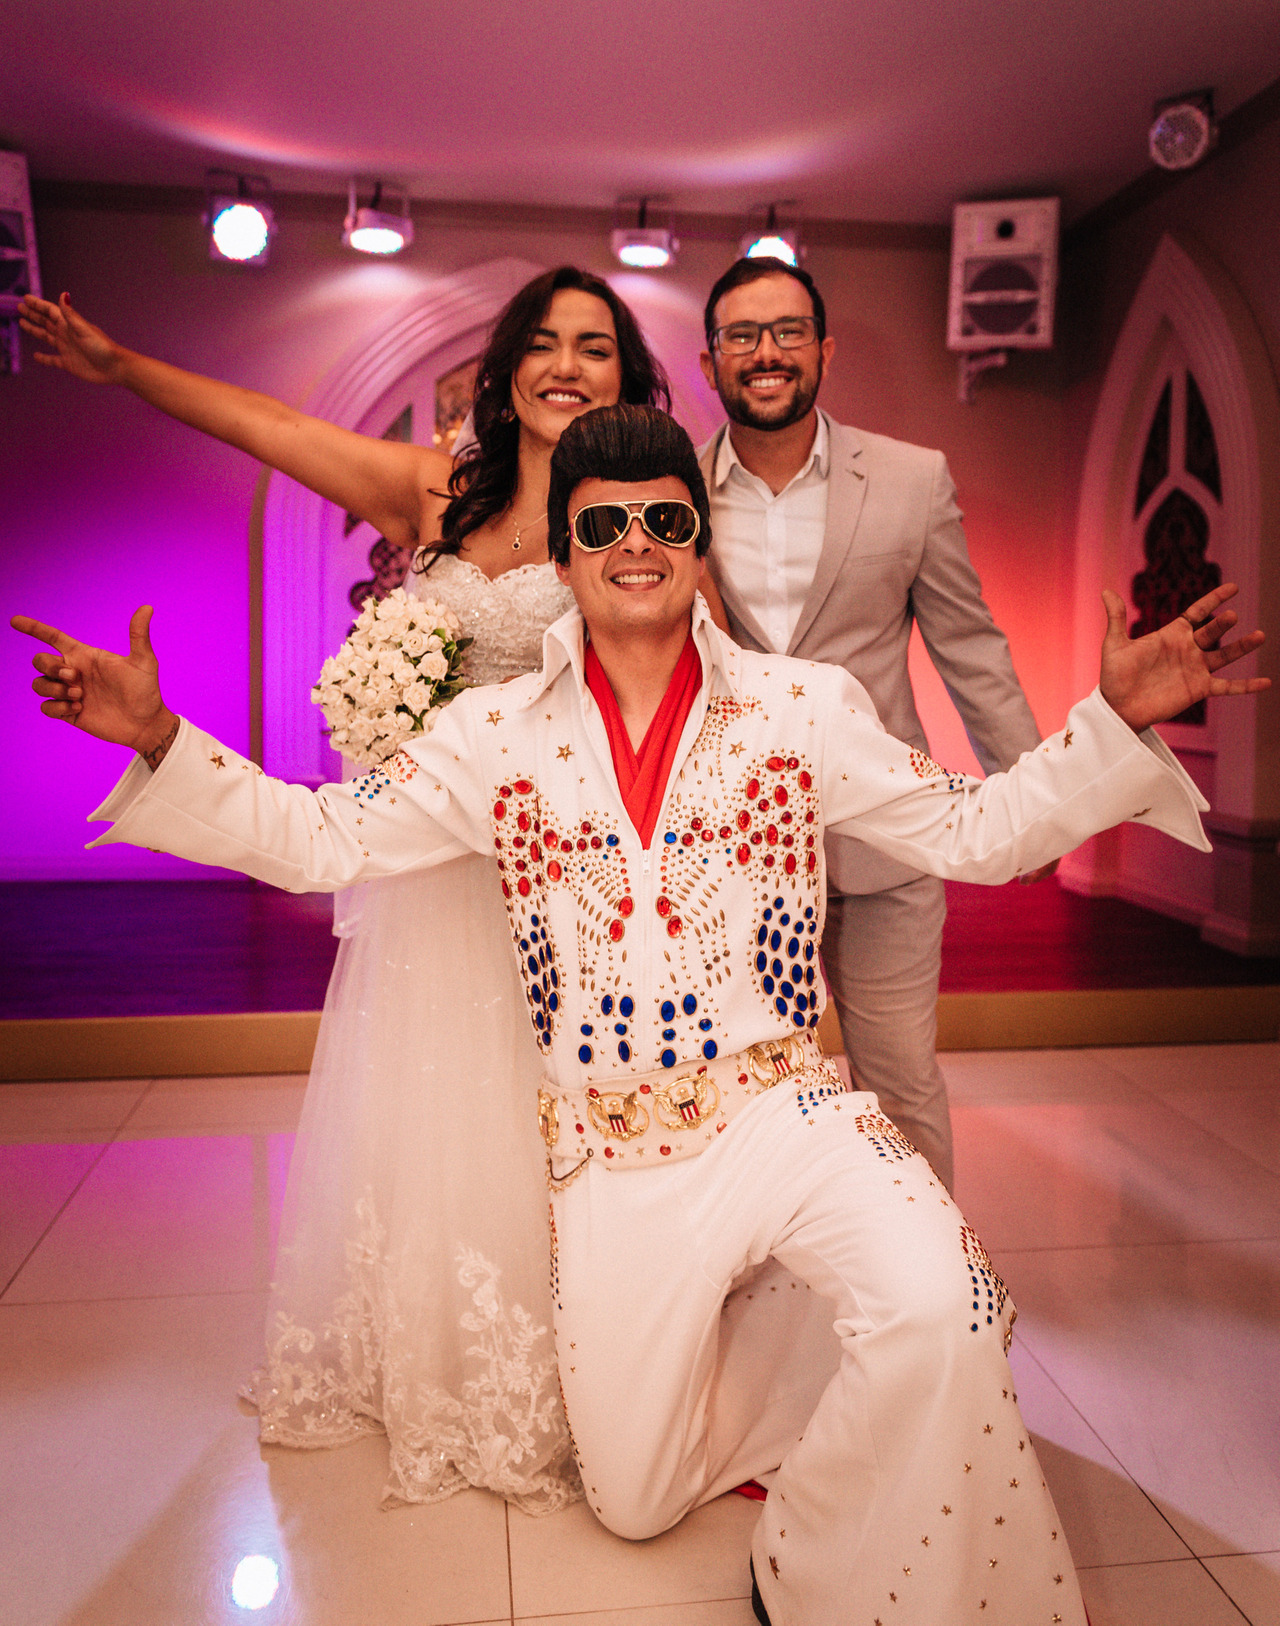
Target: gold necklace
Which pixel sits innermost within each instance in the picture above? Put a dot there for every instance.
(527, 526)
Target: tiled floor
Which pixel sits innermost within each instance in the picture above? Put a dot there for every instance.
(1131, 1198)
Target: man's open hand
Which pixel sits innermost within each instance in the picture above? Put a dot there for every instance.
(1151, 679)
(115, 697)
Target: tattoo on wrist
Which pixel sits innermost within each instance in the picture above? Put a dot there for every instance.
(156, 755)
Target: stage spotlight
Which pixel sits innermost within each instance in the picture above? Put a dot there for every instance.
(644, 247)
(772, 239)
(1183, 130)
(375, 230)
(240, 217)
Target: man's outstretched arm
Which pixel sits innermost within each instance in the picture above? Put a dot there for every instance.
(197, 799)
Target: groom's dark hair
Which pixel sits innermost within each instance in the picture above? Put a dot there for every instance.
(628, 444)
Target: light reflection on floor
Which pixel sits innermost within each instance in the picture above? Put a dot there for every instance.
(1131, 1198)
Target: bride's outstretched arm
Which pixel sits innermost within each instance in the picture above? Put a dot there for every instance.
(388, 483)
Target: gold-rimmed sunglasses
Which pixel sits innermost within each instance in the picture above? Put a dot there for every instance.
(668, 520)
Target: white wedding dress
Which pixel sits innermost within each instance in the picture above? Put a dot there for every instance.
(411, 1289)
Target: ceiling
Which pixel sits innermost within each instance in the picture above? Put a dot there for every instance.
(878, 110)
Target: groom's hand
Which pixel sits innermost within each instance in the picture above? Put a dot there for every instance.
(115, 697)
(1151, 679)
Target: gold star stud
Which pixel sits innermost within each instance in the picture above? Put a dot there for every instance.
(797, 691)
(736, 750)
(565, 752)
(1066, 738)
(494, 717)
(217, 760)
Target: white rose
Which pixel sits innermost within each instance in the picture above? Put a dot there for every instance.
(418, 696)
(433, 666)
(404, 670)
(414, 642)
(361, 665)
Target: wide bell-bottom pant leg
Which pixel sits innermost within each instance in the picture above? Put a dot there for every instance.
(882, 953)
(912, 1493)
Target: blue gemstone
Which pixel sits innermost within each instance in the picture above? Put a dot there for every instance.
(800, 1021)
(669, 837)
(667, 1010)
(780, 1005)
(553, 1002)
(535, 993)
(813, 1019)
(786, 988)
(762, 960)
(533, 920)
(808, 914)
(668, 1058)
(532, 963)
(768, 915)
(779, 902)
(709, 1050)
(587, 1029)
(626, 1004)
(611, 841)
(668, 1033)
(690, 1003)
(808, 975)
(775, 940)
(619, 1027)
(584, 1052)
(808, 951)
(624, 1050)
(524, 945)
(767, 984)
(762, 936)
(784, 920)
(555, 977)
(539, 1020)
(793, 946)
(705, 1024)
(802, 1001)
(606, 1004)
(796, 973)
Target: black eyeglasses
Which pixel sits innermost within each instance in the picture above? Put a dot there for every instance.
(788, 333)
(667, 520)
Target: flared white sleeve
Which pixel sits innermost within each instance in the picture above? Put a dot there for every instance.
(1094, 773)
(207, 803)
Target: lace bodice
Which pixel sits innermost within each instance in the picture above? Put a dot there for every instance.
(506, 614)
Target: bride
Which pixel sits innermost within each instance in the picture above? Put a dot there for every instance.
(411, 1284)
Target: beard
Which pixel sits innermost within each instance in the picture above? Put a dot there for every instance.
(742, 407)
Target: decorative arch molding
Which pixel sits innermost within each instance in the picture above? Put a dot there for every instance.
(296, 522)
(1186, 295)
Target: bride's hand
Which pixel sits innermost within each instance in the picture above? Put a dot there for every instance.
(75, 346)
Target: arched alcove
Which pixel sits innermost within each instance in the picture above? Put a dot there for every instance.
(1190, 339)
(297, 525)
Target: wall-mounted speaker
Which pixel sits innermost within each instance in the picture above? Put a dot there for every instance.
(1004, 274)
(19, 268)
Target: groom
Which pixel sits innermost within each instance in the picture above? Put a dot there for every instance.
(656, 798)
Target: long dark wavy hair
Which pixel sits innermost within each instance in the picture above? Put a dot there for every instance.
(484, 480)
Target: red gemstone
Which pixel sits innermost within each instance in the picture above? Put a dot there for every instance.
(506, 890)
(554, 871)
(780, 795)
(523, 886)
(625, 906)
(789, 863)
(744, 853)
(708, 834)
(616, 929)
(806, 779)
(523, 787)
(756, 838)
(687, 838)
(517, 841)
(580, 1129)
(594, 1094)
(675, 926)
(771, 835)
(535, 852)
(763, 804)
(811, 862)
(550, 837)
(596, 842)
(523, 820)
(645, 1090)
(586, 827)
(665, 1150)
(608, 1151)
(753, 789)
(744, 820)
(695, 824)
(724, 830)
(566, 846)
(499, 810)
(776, 764)
(504, 790)
(768, 860)
(582, 844)
(520, 864)
(663, 905)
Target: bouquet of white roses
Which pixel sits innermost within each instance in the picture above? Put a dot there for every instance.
(401, 660)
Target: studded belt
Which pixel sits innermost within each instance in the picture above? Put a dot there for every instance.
(674, 1113)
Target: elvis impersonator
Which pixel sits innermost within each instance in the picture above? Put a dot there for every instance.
(656, 798)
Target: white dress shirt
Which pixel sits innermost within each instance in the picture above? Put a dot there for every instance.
(768, 545)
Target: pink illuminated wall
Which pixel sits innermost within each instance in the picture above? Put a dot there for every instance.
(107, 505)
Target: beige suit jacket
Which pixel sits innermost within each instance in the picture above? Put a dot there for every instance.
(894, 553)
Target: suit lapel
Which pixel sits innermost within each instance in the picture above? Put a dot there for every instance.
(746, 629)
(846, 490)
